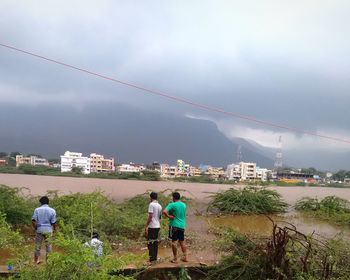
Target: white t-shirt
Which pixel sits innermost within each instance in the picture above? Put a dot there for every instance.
(155, 209)
(96, 246)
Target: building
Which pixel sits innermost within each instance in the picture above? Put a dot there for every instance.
(99, 164)
(195, 171)
(262, 173)
(182, 168)
(131, 167)
(294, 177)
(241, 171)
(155, 166)
(72, 160)
(31, 160)
(3, 162)
(215, 172)
(248, 170)
(233, 172)
(167, 171)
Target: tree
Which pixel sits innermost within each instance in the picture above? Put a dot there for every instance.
(77, 170)
(3, 154)
(341, 175)
(14, 154)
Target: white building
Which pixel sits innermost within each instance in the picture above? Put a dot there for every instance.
(262, 173)
(72, 159)
(233, 172)
(241, 171)
(131, 167)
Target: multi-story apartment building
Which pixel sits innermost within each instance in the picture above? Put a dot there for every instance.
(248, 170)
(73, 159)
(168, 171)
(262, 173)
(195, 171)
(215, 172)
(241, 171)
(233, 172)
(182, 168)
(31, 160)
(180, 164)
(99, 164)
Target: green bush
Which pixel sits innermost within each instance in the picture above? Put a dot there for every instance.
(82, 212)
(9, 239)
(249, 200)
(17, 209)
(331, 208)
(73, 261)
(38, 170)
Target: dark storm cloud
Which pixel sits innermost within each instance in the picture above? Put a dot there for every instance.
(285, 62)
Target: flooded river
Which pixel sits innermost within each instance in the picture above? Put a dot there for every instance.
(122, 189)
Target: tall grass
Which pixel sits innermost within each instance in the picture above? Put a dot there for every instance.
(249, 200)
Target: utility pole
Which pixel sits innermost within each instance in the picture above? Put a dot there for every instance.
(278, 159)
(239, 154)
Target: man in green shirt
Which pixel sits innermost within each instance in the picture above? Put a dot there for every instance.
(176, 212)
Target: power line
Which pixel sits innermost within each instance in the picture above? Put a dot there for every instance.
(178, 99)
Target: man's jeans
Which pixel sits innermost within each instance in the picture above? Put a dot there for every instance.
(39, 238)
(153, 243)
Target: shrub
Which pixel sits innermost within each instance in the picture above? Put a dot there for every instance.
(9, 239)
(286, 255)
(73, 261)
(249, 200)
(330, 208)
(17, 209)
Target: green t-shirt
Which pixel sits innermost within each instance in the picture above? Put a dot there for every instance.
(178, 210)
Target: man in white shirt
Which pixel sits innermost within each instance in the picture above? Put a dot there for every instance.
(96, 245)
(153, 226)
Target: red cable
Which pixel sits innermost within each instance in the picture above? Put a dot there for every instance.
(179, 99)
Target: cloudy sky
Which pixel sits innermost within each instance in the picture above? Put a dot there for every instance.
(280, 61)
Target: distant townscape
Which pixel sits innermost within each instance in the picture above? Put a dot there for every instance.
(77, 163)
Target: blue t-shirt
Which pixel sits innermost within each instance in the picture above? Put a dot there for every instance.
(45, 217)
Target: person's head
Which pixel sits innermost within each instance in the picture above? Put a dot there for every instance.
(153, 196)
(176, 196)
(44, 200)
(95, 235)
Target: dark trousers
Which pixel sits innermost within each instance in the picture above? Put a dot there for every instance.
(153, 243)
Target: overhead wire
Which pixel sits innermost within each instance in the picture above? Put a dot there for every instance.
(177, 99)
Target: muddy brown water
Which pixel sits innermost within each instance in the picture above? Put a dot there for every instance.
(123, 189)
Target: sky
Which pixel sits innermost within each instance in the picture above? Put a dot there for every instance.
(280, 61)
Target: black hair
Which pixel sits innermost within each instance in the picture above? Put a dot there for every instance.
(153, 195)
(44, 200)
(95, 235)
(176, 195)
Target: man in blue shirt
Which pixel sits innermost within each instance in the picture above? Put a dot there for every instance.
(44, 223)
